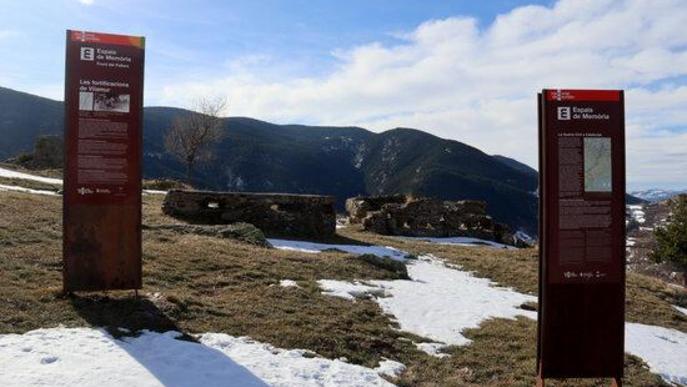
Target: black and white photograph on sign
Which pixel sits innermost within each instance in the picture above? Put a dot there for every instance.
(106, 102)
(86, 100)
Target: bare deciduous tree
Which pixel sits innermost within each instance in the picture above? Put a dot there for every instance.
(192, 135)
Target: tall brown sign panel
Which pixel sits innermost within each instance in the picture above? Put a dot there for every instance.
(102, 174)
(582, 231)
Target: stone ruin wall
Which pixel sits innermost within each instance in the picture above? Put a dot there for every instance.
(288, 215)
(358, 207)
(424, 217)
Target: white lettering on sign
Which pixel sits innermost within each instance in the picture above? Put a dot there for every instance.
(87, 53)
(564, 113)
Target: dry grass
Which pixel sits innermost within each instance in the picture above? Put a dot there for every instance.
(194, 284)
(198, 284)
(502, 354)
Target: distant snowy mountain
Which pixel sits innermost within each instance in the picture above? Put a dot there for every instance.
(656, 195)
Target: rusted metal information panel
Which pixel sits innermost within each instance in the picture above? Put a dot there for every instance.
(102, 174)
(582, 246)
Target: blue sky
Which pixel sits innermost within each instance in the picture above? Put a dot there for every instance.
(465, 70)
(201, 37)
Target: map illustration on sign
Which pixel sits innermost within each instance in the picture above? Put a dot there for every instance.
(597, 164)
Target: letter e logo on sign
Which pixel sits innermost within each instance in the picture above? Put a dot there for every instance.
(87, 53)
(564, 113)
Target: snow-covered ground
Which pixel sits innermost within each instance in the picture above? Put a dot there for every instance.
(350, 290)
(90, 357)
(390, 368)
(313, 247)
(462, 241)
(439, 302)
(25, 176)
(154, 192)
(287, 283)
(681, 310)
(525, 238)
(4, 187)
(663, 349)
(637, 213)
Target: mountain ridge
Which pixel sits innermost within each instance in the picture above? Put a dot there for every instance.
(343, 161)
(655, 195)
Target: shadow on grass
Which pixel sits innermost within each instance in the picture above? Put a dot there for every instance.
(335, 239)
(173, 358)
(130, 313)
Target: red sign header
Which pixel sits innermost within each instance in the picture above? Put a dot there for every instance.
(97, 37)
(583, 95)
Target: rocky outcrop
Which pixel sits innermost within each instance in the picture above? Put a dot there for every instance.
(301, 216)
(398, 268)
(358, 207)
(424, 217)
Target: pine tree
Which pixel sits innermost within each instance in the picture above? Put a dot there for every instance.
(671, 239)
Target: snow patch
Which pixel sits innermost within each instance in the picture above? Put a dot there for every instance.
(432, 349)
(663, 349)
(154, 192)
(439, 302)
(680, 309)
(6, 188)
(390, 368)
(63, 357)
(524, 238)
(313, 247)
(287, 283)
(462, 241)
(637, 213)
(350, 290)
(25, 176)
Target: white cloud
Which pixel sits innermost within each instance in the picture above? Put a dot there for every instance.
(86, 2)
(453, 79)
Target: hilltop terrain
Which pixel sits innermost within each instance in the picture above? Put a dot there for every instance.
(464, 317)
(342, 161)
